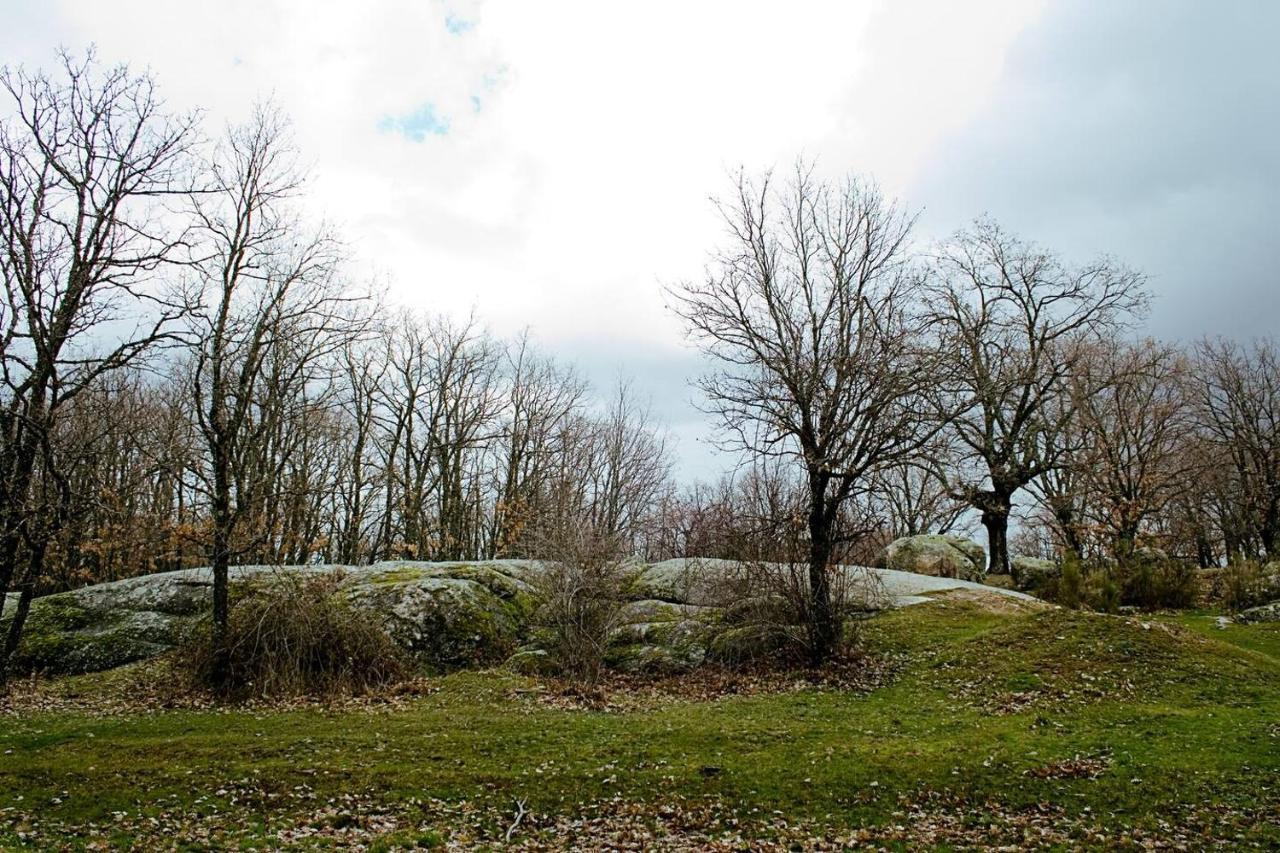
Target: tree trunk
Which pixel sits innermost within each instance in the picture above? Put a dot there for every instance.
(824, 628)
(8, 557)
(1065, 514)
(1269, 531)
(14, 635)
(27, 592)
(19, 485)
(1205, 557)
(220, 564)
(19, 476)
(995, 518)
(1126, 543)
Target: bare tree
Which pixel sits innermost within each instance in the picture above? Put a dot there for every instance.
(438, 413)
(1011, 317)
(541, 398)
(1132, 402)
(355, 491)
(626, 467)
(1062, 489)
(805, 312)
(464, 374)
(265, 306)
(1238, 409)
(913, 496)
(87, 160)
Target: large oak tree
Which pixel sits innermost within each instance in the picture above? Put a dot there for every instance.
(804, 312)
(1013, 320)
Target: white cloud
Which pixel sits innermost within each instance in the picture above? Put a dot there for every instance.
(580, 183)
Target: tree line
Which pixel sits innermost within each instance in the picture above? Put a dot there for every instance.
(193, 376)
(896, 389)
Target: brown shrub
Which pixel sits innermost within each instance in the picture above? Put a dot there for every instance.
(580, 588)
(295, 634)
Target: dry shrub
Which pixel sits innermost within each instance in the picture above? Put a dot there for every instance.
(295, 634)
(768, 610)
(580, 587)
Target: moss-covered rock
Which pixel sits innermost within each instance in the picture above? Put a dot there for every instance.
(938, 555)
(68, 633)
(657, 659)
(1032, 572)
(682, 580)
(1265, 613)
(743, 643)
(448, 617)
(447, 614)
(531, 660)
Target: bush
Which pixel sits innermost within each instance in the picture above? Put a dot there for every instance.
(1246, 583)
(580, 589)
(1153, 581)
(295, 634)
(768, 611)
(1067, 588)
(1148, 580)
(1103, 591)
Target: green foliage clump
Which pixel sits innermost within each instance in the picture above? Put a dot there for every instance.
(1153, 581)
(1103, 591)
(1247, 583)
(1067, 587)
(295, 635)
(1147, 579)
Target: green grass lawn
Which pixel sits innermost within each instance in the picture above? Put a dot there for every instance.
(1053, 728)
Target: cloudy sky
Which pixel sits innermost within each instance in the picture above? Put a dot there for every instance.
(548, 164)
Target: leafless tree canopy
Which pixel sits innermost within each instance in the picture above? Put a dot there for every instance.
(805, 311)
(1013, 320)
(87, 164)
(191, 374)
(1237, 407)
(282, 416)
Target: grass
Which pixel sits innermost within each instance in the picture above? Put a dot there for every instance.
(1263, 637)
(996, 723)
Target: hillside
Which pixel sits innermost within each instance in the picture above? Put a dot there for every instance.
(973, 721)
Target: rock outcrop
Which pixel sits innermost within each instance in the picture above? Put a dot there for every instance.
(446, 614)
(450, 615)
(1265, 613)
(938, 555)
(1032, 572)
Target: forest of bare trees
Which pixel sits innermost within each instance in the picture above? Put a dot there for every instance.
(192, 374)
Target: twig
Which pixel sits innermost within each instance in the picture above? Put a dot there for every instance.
(520, 813)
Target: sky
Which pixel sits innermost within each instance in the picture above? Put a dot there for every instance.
(548, 166)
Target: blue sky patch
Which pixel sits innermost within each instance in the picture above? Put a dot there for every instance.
(457, 25)
(416, 125)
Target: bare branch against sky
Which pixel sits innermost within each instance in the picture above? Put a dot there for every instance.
(548, 165)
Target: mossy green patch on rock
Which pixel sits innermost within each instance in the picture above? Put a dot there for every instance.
(448, 614)
(532, 660)
(398, 575)
(654, 659)
(63, 636)
(445, 622)
(745, 643)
